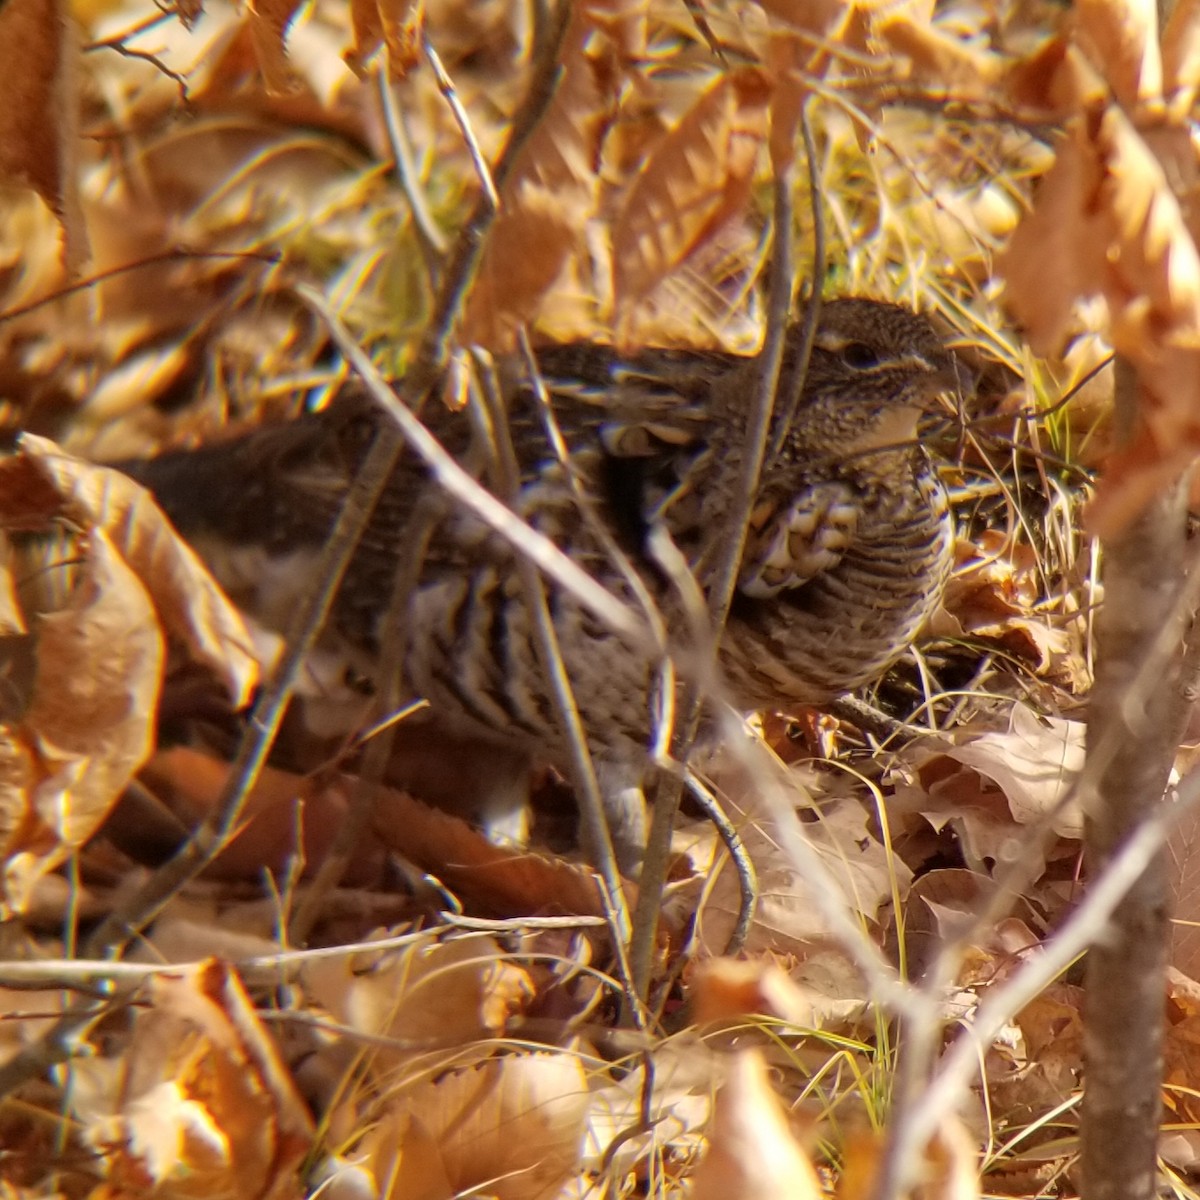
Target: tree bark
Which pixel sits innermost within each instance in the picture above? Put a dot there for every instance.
(1133, 730)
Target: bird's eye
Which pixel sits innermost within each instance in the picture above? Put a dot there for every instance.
(859, 355)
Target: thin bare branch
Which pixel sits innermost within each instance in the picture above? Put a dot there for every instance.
(447, 473)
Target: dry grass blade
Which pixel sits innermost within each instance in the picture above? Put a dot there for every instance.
(599, 837)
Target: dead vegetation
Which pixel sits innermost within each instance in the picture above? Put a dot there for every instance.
(267, 1010)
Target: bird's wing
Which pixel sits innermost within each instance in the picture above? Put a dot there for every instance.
(670, 455)
(796, 537)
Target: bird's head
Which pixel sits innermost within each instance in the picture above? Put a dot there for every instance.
(875, 369)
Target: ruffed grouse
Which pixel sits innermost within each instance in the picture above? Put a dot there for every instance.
(848, 547)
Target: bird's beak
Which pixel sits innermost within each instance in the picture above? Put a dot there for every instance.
(951, 380)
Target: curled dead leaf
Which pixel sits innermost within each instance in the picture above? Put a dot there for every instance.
(268, 21)
(729, 989)
(551, 192)
(41, 483)
(1108, 216)
(1181, 58)
(1120, 38)
(946, 62)
(89, 723)
(395, 23)
(787, 920)
(39, 111)
(1035, 763)
(95, 653)
(200, 1103)
(1061, 229)
(948, 1166)
(1055, 81)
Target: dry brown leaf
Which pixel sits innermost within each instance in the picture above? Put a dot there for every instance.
(1181, 1051)
(728, 989)
(940, 60)
(527, 248)
(1150, 247)
(996, 592)
(551, 192)
(1153, 294)
(42, 483)
(940, 905)
(432, 993)
(973, 807)
(97, 654)
(138, 382)
(281, 811)
(752, 1153)
(948, 1169)
(402, 1159)
(38, 111)
(23, 1017)
(1065, 229)
(798, 52)
(200, 1102)
(1120, 38)
(791, 61)
(1109, 217)
(696, 179)
(89, 724)
(510, 1127)
(1181, 58)
(12, 619)
(396, 23)
(1054, 81)
(822, 18)
(1035, 763)
(787, 920)
(508, 879)
(1053, 1024)
(678, 1077)
(268, 22)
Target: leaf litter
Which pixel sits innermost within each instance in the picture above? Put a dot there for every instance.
(489, 1059)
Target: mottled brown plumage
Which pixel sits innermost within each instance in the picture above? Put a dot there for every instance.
(848, 547)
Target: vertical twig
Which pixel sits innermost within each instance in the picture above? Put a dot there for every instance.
(1124, 1015)
(724, 580)
(468, 248)
(812, 310)
(582, 771)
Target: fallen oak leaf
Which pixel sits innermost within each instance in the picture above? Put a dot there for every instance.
(512, 1127)
(1120, 38)
(949, 62)
(1035, 763)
